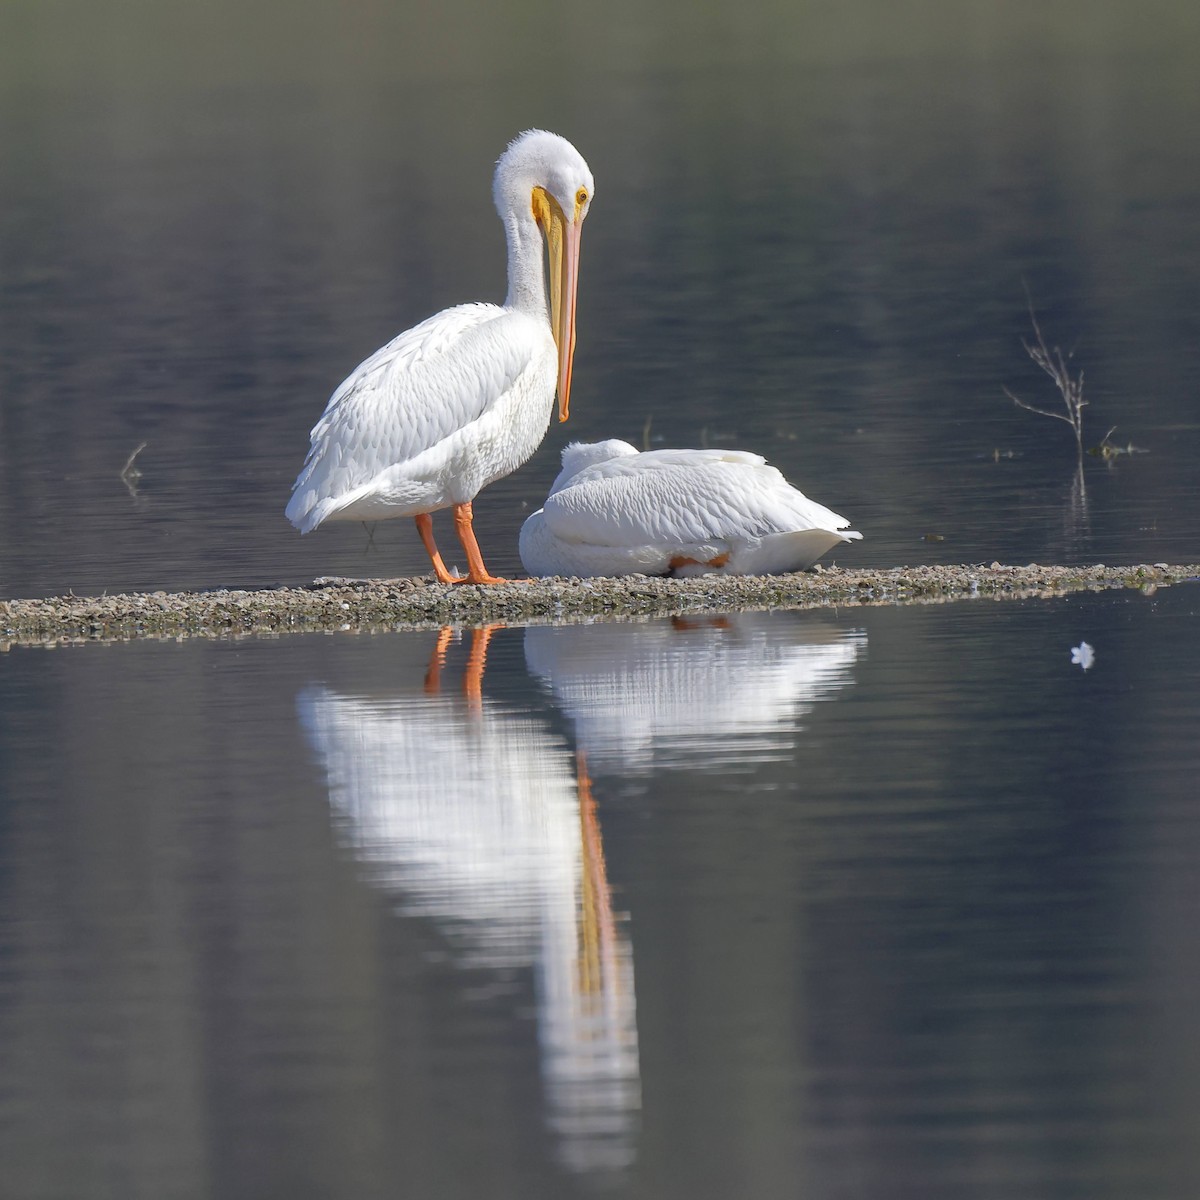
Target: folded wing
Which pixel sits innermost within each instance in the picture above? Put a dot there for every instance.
(681, 496)
(431, 382)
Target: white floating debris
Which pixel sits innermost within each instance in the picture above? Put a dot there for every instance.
(1083, 654)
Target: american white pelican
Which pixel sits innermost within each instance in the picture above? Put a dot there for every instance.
(614, 511)
(463, 398)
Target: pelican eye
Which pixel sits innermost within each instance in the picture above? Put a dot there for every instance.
(581, 197)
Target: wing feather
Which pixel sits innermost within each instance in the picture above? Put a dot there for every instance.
(672, 497)
(424, 385)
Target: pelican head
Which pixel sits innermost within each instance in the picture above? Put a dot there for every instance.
(544, 176)
(578, 456)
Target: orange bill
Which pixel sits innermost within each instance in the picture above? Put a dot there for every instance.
(562, 246)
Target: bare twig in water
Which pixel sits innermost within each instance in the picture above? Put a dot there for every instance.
(1108, 450)
(1055, 365)
(129, 474)
(646, 431)
(129, 471)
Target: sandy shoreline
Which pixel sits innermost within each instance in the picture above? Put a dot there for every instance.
(333, 604)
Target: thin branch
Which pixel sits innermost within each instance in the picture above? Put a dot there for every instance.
(129, 470)
(1034, 409)
(1055, 365)
(129, 473)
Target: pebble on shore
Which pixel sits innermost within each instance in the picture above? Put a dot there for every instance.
(335, 604)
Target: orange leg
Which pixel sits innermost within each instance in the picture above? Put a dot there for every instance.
(682, 560)
(425, 529)
(437, 660)
(476, 571)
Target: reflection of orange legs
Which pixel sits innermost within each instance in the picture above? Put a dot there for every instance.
(437, 660)
(476, 662)
(476, 571)
(425, 529)
(596, 918)
(701, 623)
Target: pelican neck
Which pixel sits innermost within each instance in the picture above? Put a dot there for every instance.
(526, 275)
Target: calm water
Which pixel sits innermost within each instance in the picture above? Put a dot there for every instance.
(880, 903)
(810, 238)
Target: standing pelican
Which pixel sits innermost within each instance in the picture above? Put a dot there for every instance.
(465, 397)
(613, 511)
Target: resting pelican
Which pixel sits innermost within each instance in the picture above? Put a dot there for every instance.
(464, 398)
(613, 511)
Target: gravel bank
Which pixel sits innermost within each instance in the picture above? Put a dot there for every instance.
(331, 604)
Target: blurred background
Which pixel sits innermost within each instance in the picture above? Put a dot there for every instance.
(813, 231)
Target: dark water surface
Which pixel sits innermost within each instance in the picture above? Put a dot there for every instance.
(895, 902)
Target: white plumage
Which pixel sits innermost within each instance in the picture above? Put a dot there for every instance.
(693, 693)
(465, 397)
(615, 511)
(476, 819)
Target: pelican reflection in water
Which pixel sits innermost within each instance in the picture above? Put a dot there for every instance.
(691, 692)
(500, 845)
